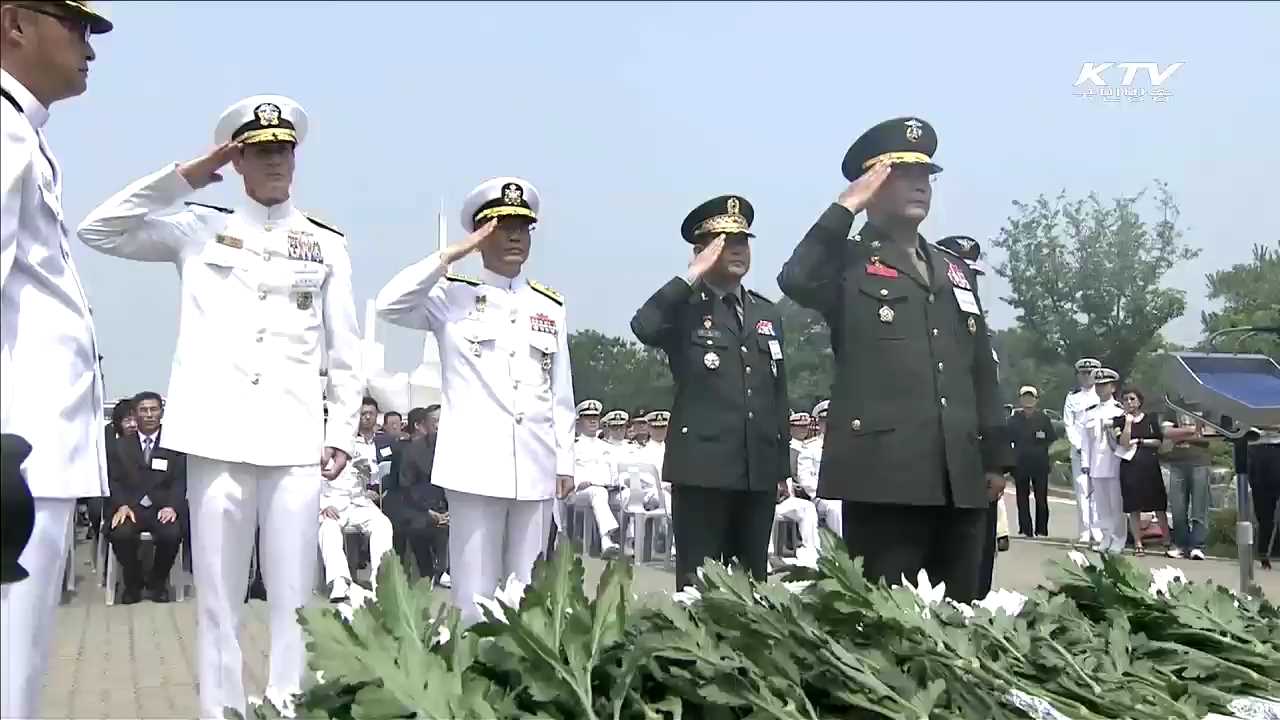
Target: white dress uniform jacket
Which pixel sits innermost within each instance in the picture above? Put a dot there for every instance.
(351, 485)
(504, 357)
(591, 462)
(1073, 412)
(52, 388)
(266, 299)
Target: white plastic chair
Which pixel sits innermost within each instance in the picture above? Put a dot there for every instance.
(634, 474)
(112, 576)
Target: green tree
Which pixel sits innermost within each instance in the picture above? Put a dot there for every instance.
(807, 353)
(619, 373)
(1085, 276)
(1250, 297)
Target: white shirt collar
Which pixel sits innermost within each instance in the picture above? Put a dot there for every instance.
(263, 214)
(142, 438)
(489, 277)
(38, 114)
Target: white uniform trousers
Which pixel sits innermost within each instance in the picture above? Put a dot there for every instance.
(490, 539)
(597, 498)
(805, 515)
(371, 521)
(1112, 522)
(1086, 504)
(832, 513)
(228, 501)
(28, 608)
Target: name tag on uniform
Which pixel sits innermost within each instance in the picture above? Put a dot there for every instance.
(308, 279)
(160, 464)
(384, 452)
(775, 349)
(231, 242)
(1039, 434)
(968, 302)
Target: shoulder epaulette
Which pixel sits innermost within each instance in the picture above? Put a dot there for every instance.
(228, 211)
(554, 296)
(473, 282)
(948, 251)
(759, 297)
(324, 225)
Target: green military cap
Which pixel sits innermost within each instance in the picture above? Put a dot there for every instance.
(727, 214)
(900, 140)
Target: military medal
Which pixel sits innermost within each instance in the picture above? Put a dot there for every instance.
(481, 303)
(886, 314)
(475, 349)
(764, 327)
(973, 326)
(542, 323)
(879, 269)
(875, 244)
(706, 321)
(546, 362)
(304, 301)
(711, 360)
(956, 276)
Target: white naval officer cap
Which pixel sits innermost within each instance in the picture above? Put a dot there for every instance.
(615, 418)
(1087, 364)
(1028, 390)
(500, 197)
(820, 410)
(589, 407)
(800, 419)
(1105, 375)
(262, 118)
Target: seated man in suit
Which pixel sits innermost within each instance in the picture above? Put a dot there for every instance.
(418, 510)
(148, 494)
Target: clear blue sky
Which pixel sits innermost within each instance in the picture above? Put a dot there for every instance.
(627, 115)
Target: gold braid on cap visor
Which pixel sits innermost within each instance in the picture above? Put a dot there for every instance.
(897, 157)
(268, 135)
(504, 211)
(726, 224)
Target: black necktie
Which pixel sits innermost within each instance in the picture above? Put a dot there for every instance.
(732, 301)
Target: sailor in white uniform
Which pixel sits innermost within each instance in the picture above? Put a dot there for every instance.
(266, 307)
(505, 446)
(809, 463)
(1073, 412)
(595, 475)
(652, 453)
(52, 393)
(1099, 453)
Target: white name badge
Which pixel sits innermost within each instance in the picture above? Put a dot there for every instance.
(308, 279)
(384, 452)
(160, 464)
(968, 302)
(775, 349)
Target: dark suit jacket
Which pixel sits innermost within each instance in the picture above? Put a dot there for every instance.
(729, 419)
(131, 479)
(1033, 452)
(915, 413)
(413, 494)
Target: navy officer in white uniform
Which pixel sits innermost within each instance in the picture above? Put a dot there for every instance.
(265, 303)
(52, 393)
(505, 448)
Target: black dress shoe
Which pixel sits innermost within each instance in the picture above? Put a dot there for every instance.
(131, 596)
(159, 594)
(1002, 544)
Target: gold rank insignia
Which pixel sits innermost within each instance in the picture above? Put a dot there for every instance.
(973, 326)
(512, 194)
(886, 314)
(711, 360)
(734, 207)
(268, 114)
(304, 301)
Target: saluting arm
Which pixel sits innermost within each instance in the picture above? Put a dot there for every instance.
(415, 297)
(656, 322)
(813, 275)
(563, 415)
(129, 224)
(342, 343)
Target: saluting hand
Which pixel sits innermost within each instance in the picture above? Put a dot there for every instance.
(705, 259)
(860, 191)
(456, 252)
(204, 170)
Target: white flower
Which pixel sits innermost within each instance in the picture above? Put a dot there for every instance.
(511, 592)
(1003, 600)
(1078, 558)
(688, 596)
(1033, 706)
(442, 636)
(1162, 578)
(929, 595)
(964, 609)
(319, 676)
(492, 605)
(797, 587)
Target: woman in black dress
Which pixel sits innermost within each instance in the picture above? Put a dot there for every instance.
(1141, 483)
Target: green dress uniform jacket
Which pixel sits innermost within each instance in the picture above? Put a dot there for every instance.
(729, 421)
(915, 416)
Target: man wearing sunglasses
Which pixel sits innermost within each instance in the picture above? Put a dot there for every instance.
(48, 352)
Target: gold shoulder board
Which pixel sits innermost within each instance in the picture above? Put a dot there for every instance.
(554, 296)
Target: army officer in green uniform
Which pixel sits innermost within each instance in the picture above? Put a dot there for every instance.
(916, 444)
(727, 449)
